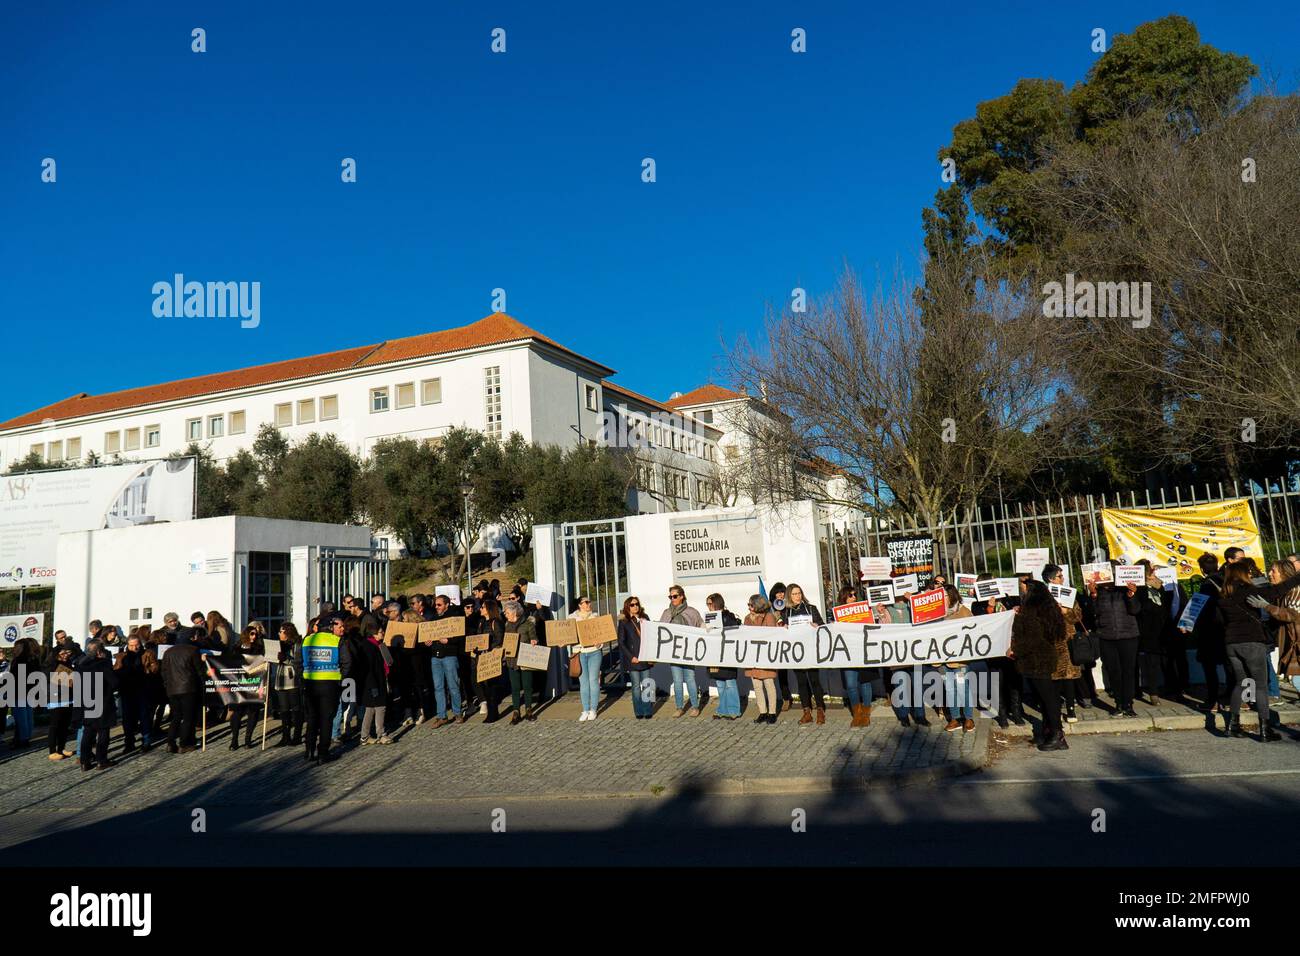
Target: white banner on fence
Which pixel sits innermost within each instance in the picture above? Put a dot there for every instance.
(831, 645)
(18, 626)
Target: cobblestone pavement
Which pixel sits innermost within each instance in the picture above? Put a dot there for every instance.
(554, 757)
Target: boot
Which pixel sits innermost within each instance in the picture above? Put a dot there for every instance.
(857, 720)
(529, 713)
(248, 736)
(1235, 728)
(1055, 743)
(807, 717)
(821, 715)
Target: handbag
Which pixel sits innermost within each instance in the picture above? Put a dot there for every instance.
(1085, 648)
(575, 665)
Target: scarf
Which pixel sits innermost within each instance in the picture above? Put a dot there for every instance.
(383, 653)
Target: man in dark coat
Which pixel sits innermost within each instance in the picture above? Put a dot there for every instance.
(184, 675)
(98, 711)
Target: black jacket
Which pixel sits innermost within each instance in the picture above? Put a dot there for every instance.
(454, 645)
(1116, 613)
(1241, 622)
(129, 671)
(183, 670)
(629, 643)
(105, 682)
(368, 672)
(730, 620)
(1152, 617)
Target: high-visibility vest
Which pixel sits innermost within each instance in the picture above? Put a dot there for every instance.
(320, 657)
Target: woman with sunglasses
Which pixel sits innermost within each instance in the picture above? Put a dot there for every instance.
(629, 644)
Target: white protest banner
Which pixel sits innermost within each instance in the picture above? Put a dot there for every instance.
(1193, 610)
(450, 591)
(15, 627)
(830, 645)
(1126, 574)
(875, 569)
(1009, 587)
(880, 593)
(1065, 596)
(538, 594)
(906, 584)
(1032, 560)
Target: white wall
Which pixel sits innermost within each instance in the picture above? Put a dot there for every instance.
(105, 574)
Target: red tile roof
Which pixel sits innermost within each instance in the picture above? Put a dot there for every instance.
(705, 395)
(495, 329)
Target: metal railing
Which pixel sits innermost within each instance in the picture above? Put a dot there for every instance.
(983, 538)
(593, 562)
(360, 572)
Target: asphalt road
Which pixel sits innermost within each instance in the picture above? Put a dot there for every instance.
(1174, 799)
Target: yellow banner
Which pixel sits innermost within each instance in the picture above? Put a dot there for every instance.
(1176, 537)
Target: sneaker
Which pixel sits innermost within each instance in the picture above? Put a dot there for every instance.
(1130, 712)
(419, 720)
(56, 756)
(591, 715)
(1070, 717)
(384, 740)
(408, 722)
(968, 725)
(367, 741)
(952, 725)
(336, 742)
(582, 717)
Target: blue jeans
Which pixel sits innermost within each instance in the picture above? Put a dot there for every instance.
(446, 679)
(728, 697)
(857, 687)
(349, 710)
(685, 675)
(22, 724)
(589, 682)
(643, 692)
(957, 693)
(1274, 689)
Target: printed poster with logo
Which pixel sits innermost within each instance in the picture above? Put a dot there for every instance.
(858, 613)
(18, 626)
(237, 685)
(1176, 537)
(928, 606)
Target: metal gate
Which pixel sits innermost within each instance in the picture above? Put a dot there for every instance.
(360, 572)
(593, 563)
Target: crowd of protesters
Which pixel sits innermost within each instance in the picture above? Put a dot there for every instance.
(161, 677)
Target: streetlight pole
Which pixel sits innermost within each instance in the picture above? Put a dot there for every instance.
(466, 489)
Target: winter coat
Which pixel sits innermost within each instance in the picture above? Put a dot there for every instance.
(726, 673)
(684, 616)
(629, 642)
(1038, 654)
(99, 669)
(183, 670)
(1117, 613)
(1288, 638)
(1208, 629)
(1241, 622)
(132, 681)
(766, 619)
(368, 670)
(526, 628)
(1153, 616)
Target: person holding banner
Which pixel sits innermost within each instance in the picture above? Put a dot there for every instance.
(1152, 621)
(629, 645)
(287, 686)
(1040, 648)
(857, 680)
(682, 614)
(133, 685)
(764, 681)
(249, 650)
(1207, 632)
(799, 612)
(521, 679)
(26, 655)
(1010, 685)
(724, 678)
(957, 691)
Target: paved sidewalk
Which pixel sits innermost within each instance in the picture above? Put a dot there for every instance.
(552, 757)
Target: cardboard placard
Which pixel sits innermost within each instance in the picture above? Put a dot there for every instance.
(534, 657)
(1126, 574)
(881, 593)
(927, 606)
(477, 642)
(906, 584)
(1065, 596)
(407, 632)
(857, 613)
(490, 665)
(443, 628)
(450, 591)
(875, 569)
(511, 643)
(561, 633)
(1098, 573)
(596, 631)
(1032, 560)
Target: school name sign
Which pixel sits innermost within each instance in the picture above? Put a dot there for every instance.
(716, 549)
(831, 645)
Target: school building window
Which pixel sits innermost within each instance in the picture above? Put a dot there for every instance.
(404, 395)
(131, 439)
(593, 404)
(431, 391)
(194, 429)
(152, 436)
(74, 449)
(283, 415)
(306, 411)
(238, 422)
(379, 400)
(492, 401)
(216, 426)
(329, 408)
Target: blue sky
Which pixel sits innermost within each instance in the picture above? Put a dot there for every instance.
(478, 171)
